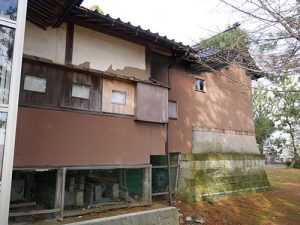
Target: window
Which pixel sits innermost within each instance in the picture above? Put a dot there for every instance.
(3, 119)
(8, 9)
(199, 84)
(81, 91)
(118, 97)
(36, 84)
(6, 47)
(173, 110)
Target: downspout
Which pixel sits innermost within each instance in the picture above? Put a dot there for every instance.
(167, 133)
(167, 145)
(168, 164)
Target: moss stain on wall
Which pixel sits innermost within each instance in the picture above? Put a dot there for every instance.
(219, 174)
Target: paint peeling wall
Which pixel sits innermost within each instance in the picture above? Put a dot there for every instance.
(108, 53)
(205, 141)
(49, 44)
(224, 104)
(113, 85)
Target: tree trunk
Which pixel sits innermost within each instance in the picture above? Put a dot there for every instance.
(261, 148)
(295, 158)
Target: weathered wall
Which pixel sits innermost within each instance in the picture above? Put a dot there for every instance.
(59, 88)
(152, 103)
(214, 140)
(48, 138)
(49, 44)
(219, 174)
(225, 105)
(108, 53)
(115, 85)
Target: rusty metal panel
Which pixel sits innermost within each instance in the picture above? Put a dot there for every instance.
(48, 138)
(152, 103)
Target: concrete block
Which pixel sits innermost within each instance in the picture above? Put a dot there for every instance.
(124, 194)
(98, 193)
(219, 172)
(115, 191)
(72, 181)
(79, 198)
(81, 187)
(71, 188)
(81, 179)
(200, 164)
(163, 216)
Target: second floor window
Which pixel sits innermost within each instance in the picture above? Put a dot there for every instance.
(118, 97)
(81, 91)
(199, 84)
(35, 84)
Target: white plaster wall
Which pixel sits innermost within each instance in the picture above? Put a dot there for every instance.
(225, 142)
(105, 51)
(49, 44)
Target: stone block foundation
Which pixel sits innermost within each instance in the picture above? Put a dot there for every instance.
(217, 174)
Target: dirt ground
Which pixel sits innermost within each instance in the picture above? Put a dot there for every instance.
(279, 206)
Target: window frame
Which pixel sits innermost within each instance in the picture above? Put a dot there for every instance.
(173, 118)
(41, 77)
(8, 20)
(81, 84)
(203, 82)
(122, 92)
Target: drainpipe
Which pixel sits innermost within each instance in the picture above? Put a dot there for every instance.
(167, 134)
(167, 146)
(169, 165)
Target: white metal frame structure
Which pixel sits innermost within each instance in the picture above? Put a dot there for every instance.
(11, 108)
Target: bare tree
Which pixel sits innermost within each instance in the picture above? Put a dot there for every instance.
(273, 27)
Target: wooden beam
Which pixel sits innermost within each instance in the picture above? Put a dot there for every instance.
(21, 205)
(69, 43)
(63, 187)
(33, 212)
(148, 61)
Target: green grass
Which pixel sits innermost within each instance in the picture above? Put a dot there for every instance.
(278, 206)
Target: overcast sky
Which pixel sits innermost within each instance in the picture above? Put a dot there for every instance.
(183, 20)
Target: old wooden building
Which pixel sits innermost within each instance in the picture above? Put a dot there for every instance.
(105, 105)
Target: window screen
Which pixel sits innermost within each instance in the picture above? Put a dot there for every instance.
(34, 83)
(199, 85)
(118, 97)
(81, 91)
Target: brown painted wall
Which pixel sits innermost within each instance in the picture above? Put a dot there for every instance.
(152, 103)
(56, 138)
(225, 104)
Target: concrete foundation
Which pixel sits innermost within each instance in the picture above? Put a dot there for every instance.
(163, 216)
(217, 174)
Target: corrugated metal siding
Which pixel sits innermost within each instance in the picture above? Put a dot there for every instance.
(57, 138)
